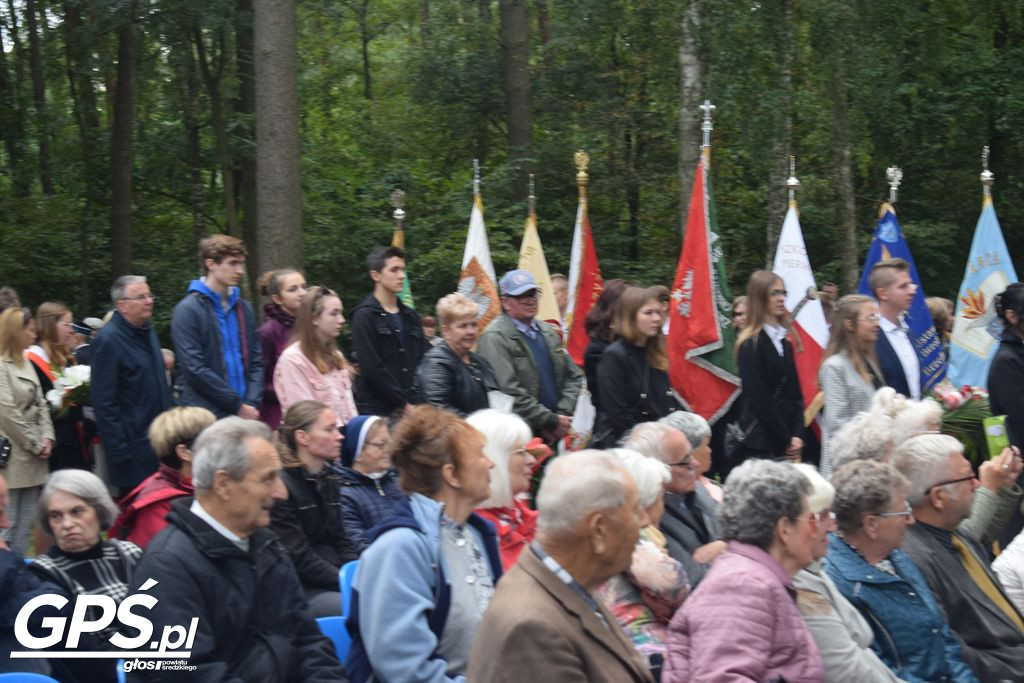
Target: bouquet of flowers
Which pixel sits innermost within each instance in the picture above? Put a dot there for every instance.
(963, 412)
(70, 388)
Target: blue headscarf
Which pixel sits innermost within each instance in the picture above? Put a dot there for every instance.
(355, 437)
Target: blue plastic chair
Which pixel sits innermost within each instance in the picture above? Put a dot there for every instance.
(346, 575)
(334, 628)
(120, 672)
(26, 678)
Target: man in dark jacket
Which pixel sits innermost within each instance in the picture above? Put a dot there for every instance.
(220, 366)
(955, 565)
(387, 339)
(129, 385)
(217, 561)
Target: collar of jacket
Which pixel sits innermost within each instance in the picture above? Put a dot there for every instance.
(274, 312)
(206, 538)
(1010, 337)
(852, 566)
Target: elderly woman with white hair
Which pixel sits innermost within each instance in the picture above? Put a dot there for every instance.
(698, 432)
(507, 435)
(843, 636)
(75, 508)
(451, 375)
(644, 597)
(741, 623)
(868, 436)
(867, 565)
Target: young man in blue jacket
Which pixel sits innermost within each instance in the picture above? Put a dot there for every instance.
(214, 330)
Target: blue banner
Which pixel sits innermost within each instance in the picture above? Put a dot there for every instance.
(889, 243)
(976, 328)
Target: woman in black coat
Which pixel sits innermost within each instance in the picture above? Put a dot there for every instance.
(633, 369)
(599, 330)
(309, 522)
(773, 417)
(451, 376)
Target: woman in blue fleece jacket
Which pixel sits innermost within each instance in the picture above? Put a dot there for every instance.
(429, 573)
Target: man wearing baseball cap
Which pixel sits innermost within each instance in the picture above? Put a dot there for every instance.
(529, 361)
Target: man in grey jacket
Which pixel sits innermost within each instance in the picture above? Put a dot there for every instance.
(529, 361)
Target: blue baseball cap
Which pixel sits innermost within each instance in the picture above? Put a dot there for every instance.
(516, 282)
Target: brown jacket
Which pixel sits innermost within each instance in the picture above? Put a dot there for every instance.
(537, 629)
(25, 420)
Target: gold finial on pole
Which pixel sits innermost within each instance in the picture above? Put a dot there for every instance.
(792, 182)
(894, 174)
(582, 160)
(531, 201)
(398, 201)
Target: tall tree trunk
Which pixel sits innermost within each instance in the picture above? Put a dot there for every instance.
(783, 138)
(121, 151)
(846, 210)
(39, 97)
(212, 81)
(363, 20)
(246, 159)
(278, 188)
(189, 82)
(424, 22)
(484, 10)
(689, 101)
(544, 29)
(12, 129)
(515, 53)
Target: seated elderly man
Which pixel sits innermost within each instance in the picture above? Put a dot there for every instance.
(689, 521)
(217, 561)
(954, 564)
(543, 624)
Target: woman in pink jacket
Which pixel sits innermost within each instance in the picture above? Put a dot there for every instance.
(742, 622)
(312, 367)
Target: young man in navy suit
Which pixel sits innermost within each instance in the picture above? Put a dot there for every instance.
(891, 283)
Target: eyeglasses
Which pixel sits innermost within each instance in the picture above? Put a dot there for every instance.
(779, 292)
(685, 462)
(906, 512)
(379, 444)
(873, 318)
(140, 297)
(820, 517)
(525, 296)
(952, 481)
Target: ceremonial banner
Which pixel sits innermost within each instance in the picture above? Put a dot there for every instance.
(702, 368)
(810, 331)
(477, 280)
(888, 243)
(585, 284)
(976, 327)
(398, 240)
(531, 258)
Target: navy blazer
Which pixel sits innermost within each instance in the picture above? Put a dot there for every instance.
(892, 368)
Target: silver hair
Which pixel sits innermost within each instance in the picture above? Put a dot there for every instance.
(864, 487)
(650, 474)
(81, 484)
(648, 438)
(822, 493)
(924, 460)
(221, 446)
(577, 484)
(692, 425)
(758, 494)
(121, 284)
(504, 432)
(917, 417)
(868, 436)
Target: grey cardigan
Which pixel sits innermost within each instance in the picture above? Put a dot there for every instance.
(846, 394)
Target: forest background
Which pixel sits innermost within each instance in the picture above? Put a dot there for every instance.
(129, 129)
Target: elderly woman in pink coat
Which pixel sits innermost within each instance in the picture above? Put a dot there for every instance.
(742, 622)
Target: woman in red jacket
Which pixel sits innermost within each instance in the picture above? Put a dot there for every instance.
(144, 510)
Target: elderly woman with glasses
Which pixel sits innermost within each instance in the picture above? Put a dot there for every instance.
(516, 524)
(865, 562)
(369, 486)
(849, 374)
(741, 623)
(842, 634)
(451, 375)
(75, 509)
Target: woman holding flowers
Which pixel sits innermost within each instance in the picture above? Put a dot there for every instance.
(51, 355)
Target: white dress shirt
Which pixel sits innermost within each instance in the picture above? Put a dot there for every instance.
(777, 335)
(899, 338)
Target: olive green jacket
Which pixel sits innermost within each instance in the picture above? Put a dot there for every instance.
(515, 368)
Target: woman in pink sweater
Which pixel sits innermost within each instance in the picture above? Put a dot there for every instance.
(312, 367)
(742, 623)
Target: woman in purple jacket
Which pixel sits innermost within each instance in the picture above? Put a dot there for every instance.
(285, 287)
(742, 623)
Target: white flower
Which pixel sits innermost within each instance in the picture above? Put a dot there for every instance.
(55, 397)
(76, 375)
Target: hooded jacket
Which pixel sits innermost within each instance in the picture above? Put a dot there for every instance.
(219, 359)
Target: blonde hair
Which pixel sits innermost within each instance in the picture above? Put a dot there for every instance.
(12, 335)
(180, 425)
(455, 306)
(325, 355)
(759, 295)
(844, 340)
(47, 316)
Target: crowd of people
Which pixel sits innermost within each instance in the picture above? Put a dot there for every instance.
(234, 489)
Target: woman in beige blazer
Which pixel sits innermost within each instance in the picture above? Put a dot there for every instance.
(25, 420)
